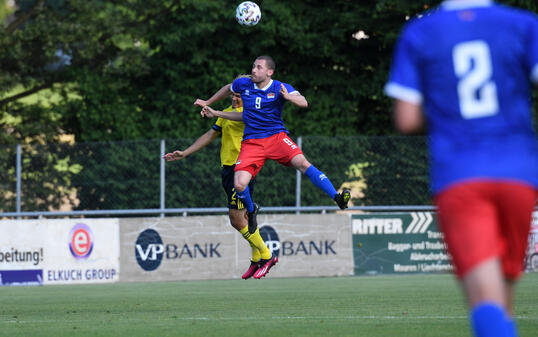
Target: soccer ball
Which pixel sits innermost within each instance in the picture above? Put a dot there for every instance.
(248, 13)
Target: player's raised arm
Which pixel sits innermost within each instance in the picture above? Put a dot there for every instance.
(233, 115)
(295, 98)
(221, 94)
(198, 144)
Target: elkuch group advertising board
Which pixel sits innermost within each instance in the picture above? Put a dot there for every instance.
(64, 251)
(208, 247)
(398, 243)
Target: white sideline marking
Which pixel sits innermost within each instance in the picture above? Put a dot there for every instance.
(406, 317)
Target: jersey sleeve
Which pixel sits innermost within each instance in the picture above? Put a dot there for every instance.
(218, 125)
(291, 90)
(532, 52)
(404, 79)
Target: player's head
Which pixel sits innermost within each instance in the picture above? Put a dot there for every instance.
(237, 102)
(262, 69)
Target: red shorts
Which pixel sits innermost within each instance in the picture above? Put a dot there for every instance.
(254, 152)
(487, 219)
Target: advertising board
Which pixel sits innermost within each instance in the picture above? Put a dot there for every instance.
(398, 243)
(207, 247)
(63, 251)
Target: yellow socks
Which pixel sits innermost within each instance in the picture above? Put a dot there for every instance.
(259, 248)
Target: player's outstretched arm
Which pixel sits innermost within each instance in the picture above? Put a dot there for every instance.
(233, 115)
(198, 144)
(296, 98)
(408, 117)
(223, 93)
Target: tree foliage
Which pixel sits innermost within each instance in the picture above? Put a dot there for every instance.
(130, 70)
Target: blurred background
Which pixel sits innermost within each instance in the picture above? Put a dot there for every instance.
(91, 92)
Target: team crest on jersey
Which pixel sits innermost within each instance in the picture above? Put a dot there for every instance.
(247, 92)
(270, 95)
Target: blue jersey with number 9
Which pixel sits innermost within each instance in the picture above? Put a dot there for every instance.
(262, 108)
(469, 63)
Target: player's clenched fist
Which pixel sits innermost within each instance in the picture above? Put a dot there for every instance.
(208, 112)
(200, 102)
(284, 91)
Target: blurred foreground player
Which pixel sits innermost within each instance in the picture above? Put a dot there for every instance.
(469, 65)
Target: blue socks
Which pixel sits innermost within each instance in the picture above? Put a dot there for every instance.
(489, 319)
(320, 180)
(245, 199)
(316, 176)
(512, 327)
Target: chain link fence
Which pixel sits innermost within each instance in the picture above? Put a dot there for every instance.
(127, 175)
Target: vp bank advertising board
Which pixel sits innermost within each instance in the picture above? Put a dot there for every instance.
(59, 251)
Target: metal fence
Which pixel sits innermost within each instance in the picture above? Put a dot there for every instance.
(131, 178)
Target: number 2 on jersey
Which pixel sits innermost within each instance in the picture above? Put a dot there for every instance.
(477, 92)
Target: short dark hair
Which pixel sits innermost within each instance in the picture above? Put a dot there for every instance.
(242, 75)
(268, 61)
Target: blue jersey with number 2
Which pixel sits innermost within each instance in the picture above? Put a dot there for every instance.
(470, 64)
(262, 108)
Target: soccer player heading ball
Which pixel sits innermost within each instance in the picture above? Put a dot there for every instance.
(468, 64)
(265, 136)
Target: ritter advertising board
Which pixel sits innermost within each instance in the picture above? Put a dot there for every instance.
(64, 251)
(398, 243)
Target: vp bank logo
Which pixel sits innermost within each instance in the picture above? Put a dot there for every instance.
(81, 241)
(298, 246)
(149, 250)
(271, 239)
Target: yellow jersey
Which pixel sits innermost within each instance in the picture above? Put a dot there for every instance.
(232, 134)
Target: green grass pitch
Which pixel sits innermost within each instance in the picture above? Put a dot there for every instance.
(410, 305)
